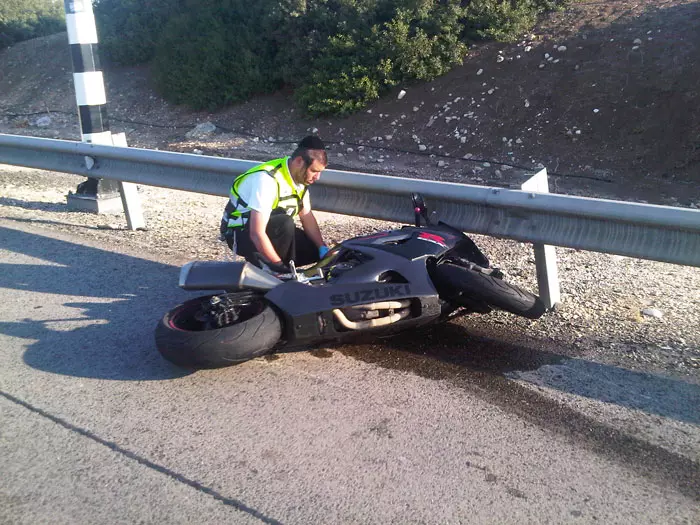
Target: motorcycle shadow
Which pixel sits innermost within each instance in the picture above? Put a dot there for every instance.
(502, 370)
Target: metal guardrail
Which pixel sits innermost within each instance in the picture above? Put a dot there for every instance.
(646, 231)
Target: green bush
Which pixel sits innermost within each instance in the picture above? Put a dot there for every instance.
(129, 30)
(25, 19)
(337, 55)
(376, 48)
(216, 55)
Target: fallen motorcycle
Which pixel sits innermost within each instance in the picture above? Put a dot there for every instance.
(381, 283)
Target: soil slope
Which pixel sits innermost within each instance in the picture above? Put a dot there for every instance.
(606, 95)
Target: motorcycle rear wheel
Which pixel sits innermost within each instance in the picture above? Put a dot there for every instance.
(185, 338)
(458, 280)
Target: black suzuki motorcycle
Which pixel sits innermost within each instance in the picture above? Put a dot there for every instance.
(381, 284)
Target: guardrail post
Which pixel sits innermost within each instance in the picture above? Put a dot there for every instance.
(130, 194)
(545, 255)
(98, 195)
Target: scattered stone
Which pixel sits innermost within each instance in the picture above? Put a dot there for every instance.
(527, 49)
(479, 72)
(561, 49)
(201, 131)
(401, 94)
(652, 312)
(441, 164)
(415, 108)
(350, 150)
(388, 137)
(43, 122)
(500, 58)
(340, 155)
(637, 41)
(596, 110)
(527, 103)
(422, 147)
(197, 151)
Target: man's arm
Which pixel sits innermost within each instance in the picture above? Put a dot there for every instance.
(258, 225)
(308, 221)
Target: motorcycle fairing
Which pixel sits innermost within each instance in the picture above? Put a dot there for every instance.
(308, 308)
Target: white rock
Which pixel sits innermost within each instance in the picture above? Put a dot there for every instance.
(653, 312)
(637, 41)
(340, 155)
(480, 72)
(490, 92)
(596, 110)
(197, 151)
(401, 94)
(541, 66)
(388, 137)
(350, 150)
(314, 130)
(527, 103)
(43, 122)
(441, 164)
(500, 58)
(463, 140)
(578, 131)
(486, 164)
(561, 49)
(518, 141)
(546, 55)
(415, 108)
(634, 48)
(369, 111)
(467, 156)
(527, 49)
(201, 130)
(422, 147)
(380, 161)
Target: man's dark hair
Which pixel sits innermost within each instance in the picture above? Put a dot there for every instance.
(311, 148)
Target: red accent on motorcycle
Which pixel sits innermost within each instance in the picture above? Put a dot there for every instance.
(431, 237)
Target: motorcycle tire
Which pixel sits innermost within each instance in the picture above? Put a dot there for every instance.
(185, 340)
(490, 290)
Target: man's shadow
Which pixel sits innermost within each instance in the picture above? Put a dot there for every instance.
(104, 326)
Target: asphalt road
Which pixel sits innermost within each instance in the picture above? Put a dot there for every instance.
(95, 427)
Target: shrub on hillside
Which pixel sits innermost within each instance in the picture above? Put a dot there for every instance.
(216, 54)
(129, 30)
(25, 19)
(338, 55)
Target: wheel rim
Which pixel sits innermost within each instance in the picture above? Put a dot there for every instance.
(194, 316)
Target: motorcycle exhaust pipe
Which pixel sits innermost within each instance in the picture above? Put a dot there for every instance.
(361, 325)
(386, 305)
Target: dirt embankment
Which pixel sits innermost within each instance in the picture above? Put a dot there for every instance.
(603, 94)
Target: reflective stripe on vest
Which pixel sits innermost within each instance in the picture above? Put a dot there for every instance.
(288, 200)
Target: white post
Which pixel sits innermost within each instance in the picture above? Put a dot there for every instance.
(545, 255)
(129, 193)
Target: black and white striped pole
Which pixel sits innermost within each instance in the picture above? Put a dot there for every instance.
(98, 195)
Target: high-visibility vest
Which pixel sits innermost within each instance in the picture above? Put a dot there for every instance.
(288, 201)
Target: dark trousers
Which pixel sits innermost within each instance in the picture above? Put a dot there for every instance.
(290, 242)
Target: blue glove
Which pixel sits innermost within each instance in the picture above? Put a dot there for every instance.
(322, 251)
